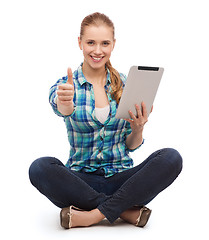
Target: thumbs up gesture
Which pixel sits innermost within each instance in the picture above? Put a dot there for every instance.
(65, 95)
(65, 91)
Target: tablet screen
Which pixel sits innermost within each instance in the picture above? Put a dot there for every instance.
(141, 86)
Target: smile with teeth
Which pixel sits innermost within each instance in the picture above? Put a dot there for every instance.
(96, 59)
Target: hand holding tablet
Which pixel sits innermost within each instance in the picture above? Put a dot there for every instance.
(137, 122)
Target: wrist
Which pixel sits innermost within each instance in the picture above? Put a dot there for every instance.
(138, 133)
(134, 140)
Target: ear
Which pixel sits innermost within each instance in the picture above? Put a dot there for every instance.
(113, 44)
(79, 43)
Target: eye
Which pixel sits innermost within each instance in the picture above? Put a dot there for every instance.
(106, 43)
(90, 43)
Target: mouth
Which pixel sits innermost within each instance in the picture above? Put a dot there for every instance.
(96, 59)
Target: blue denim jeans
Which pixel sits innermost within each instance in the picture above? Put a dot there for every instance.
(112, 196)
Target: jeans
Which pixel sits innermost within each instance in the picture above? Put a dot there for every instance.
(112, 196)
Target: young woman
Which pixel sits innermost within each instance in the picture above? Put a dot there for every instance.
(99, 180)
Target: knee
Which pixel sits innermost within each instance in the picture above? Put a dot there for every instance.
(35, 169)
(38, 168)
(175, 159)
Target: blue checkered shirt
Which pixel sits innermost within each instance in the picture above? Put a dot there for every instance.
(93, 144)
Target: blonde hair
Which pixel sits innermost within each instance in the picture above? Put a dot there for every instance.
(98, 19)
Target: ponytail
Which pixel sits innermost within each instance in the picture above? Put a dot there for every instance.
(116, 83)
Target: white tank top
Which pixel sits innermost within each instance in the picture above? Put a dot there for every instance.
(102, 113)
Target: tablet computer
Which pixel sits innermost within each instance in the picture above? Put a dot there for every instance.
(141, 86)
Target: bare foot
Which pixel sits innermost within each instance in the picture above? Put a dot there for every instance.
(86, 218)
(130, 215)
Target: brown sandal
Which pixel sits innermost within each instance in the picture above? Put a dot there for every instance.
(143, 218)
(66, 216)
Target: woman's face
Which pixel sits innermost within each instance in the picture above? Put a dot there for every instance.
(97, 44)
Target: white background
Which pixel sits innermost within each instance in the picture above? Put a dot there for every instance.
(38, 43)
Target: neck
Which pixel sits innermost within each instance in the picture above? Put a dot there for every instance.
(94, 76)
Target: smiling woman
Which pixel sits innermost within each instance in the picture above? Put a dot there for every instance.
(97, 44)
(99, 179)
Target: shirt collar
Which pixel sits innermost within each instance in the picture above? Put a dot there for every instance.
(82, 79)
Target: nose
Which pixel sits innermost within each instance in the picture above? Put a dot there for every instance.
(98, 49)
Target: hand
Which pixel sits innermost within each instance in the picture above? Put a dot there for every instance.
(65, 91)
(137, 122)
(151, 109)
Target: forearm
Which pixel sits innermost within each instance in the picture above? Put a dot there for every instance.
(134, 140)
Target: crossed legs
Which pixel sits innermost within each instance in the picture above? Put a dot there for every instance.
(136, 186)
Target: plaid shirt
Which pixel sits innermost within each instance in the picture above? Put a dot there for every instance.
(94, 145)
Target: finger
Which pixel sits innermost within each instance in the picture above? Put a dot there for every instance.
(128, 120)
(65, 86)
(133, 117)
(66, 103)
(144, 110)
(65, 98)
(151, 109)
(64, 92)
(138, 111)
(70, 76)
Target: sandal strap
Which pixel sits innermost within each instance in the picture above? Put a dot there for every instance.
(140, 215)
(70, 216)
(138, 221)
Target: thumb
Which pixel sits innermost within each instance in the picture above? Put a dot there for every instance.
(70, 76)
